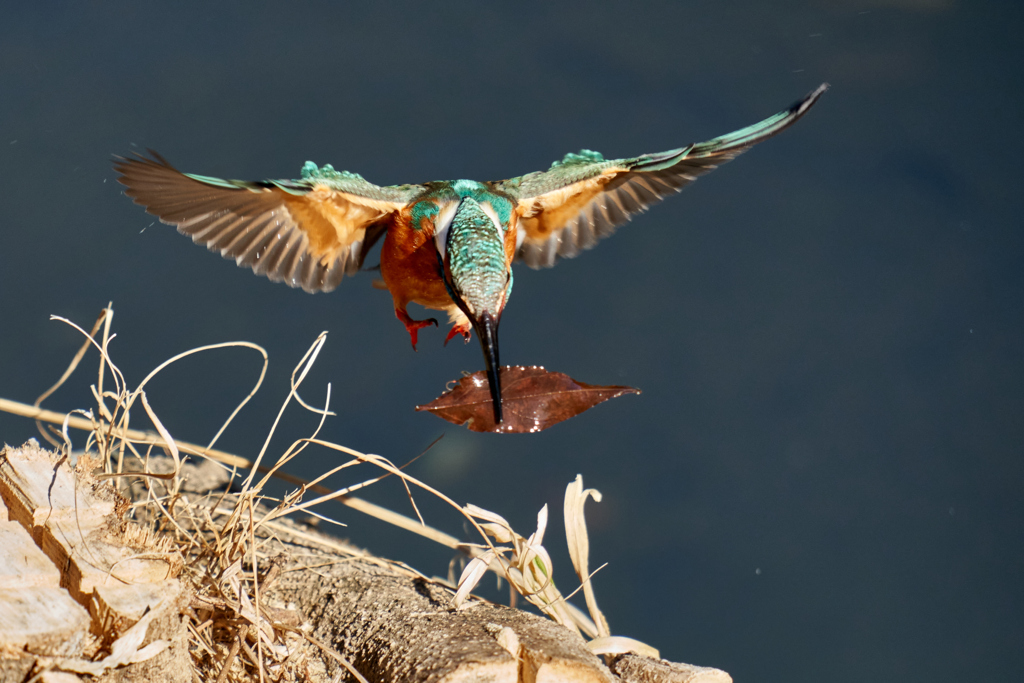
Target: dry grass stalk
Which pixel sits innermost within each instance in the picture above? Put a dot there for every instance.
(236, 635)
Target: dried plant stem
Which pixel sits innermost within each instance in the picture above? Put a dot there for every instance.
(147, 438)
(134, 435)
(105, 315)
(229, 554)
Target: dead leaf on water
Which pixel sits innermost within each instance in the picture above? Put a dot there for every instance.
(533, 399)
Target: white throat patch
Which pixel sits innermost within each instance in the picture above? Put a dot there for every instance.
(489, 210)
(447, 214)
(444, 221)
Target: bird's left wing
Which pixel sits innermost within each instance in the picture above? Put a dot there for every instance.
(584, 197)
(307, 233)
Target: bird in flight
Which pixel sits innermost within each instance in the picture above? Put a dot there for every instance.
(448, 245)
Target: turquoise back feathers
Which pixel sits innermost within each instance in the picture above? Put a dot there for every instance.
(475, 257)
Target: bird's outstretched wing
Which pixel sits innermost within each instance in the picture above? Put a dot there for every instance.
(584, 197)
(307, 232)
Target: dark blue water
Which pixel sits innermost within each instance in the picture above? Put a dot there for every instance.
(823, 478)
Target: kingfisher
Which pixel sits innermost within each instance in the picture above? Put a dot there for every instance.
(448, 245)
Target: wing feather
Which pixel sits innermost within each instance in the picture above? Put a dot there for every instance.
(289, 258)
(584, 197)
(308, 233)
(260, 242)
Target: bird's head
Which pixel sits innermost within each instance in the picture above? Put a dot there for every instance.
(477, 274)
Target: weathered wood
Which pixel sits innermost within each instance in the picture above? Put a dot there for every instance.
(41, 620)
(59, 677)
(632, 668)
(73, 520)
(395, 627)
(16, 668)
(97, 555)
(37, 617)
(35, 490)
(22, 563)
(116, 608)
(174, 664)
(66, 520)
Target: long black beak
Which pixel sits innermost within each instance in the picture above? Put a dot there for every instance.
(487, 329)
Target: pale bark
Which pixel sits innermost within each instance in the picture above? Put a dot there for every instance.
(74, 576)
(396, 627)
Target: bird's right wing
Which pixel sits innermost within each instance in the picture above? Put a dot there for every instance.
(308, 233)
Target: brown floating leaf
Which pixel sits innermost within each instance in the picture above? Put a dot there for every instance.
(532, 399)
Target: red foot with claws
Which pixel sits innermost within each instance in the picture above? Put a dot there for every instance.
(465, 330)
(413, 326)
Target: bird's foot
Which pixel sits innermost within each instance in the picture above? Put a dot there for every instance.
(464, 329)
(414, 326)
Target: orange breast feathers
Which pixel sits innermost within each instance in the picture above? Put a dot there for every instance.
(410, 268)
(511, 238)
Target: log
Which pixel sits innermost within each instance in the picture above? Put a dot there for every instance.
(40, 620)
(393, 626)
(634, 668)
(76, 576)
(22, 563)
(59, 677)
(36, 490)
